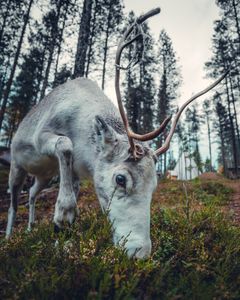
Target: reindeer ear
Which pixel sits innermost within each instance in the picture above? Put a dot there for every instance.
(106, 136)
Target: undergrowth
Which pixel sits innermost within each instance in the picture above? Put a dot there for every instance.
(196, 255)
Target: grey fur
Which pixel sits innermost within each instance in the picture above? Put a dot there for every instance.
(76, 131)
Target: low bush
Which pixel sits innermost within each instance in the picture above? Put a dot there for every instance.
(196, 255)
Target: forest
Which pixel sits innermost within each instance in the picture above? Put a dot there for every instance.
(194, 222)
(45, 43)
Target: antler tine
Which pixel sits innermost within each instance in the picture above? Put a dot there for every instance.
(124, 43)
(139, 21)
(166, 144)
(153, 134)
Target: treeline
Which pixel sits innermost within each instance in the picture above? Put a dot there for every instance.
(44, 43)
(220, 113)
(222, 110)
(37, 35)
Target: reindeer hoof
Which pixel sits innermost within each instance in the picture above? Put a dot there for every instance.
(65, 211)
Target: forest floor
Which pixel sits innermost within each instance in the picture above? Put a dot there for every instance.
(234, 201)
(46, 200)
(196, 247)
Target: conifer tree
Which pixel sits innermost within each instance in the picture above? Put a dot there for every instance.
(192, 121)
(53, 38)
(26, 89)
(225, 54)
(207, 116)
(83, 39)
(170, 80)
(112, 18)
(139, 85)
(9, 81)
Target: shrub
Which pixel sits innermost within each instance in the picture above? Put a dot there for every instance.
(196, 255)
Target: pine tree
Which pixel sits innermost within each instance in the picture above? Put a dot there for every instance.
(62, 76)
(169, 83)
(139, 83)
(223, 124)
(192, 121)
(25, 93)
(83, 39)
(54, 36)
(208, 165)
(36, 66)
(95, 34)
(11, 18)
(112, 14)
(207, 115)
(131, 99)
(231, 12)
(68, 8)
(15, 61)
(226, 54)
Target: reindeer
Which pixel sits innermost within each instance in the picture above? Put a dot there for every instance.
(77, 131)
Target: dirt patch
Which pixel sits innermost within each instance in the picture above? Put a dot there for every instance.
(235, 203)
(210, 176)
(45, 204)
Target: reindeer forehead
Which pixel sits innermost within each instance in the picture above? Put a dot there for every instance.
(144, 150)
(143, 167)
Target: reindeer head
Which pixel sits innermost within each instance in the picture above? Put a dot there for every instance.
(125, 175)
(124, 186)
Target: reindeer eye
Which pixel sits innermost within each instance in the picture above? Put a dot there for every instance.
(121, 180)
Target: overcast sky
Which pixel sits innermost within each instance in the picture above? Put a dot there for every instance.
(189, 23)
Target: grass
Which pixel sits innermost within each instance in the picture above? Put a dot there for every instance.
(196, 253)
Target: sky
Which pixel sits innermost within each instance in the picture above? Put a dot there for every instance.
(189, 24)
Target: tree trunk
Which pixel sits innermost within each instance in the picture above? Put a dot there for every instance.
(83, 38)
(209, 142)
(4, 20)
(11, 130)
(3, 79)
(234, 108)
(165, 156)
(50, 57)
(90, 44)
(10, 80)
(222, 146)
(105, 49)
(41, 69)
(234, 147)
(236, 19)
(60, 39)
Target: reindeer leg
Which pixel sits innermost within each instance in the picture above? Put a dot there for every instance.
(38, 186)
(76, 188)
(16, 179)
(61, 147)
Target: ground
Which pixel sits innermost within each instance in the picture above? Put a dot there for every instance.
(46, 200)
(196, 248)
(234, 201)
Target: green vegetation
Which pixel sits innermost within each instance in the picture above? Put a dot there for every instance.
(196, 253)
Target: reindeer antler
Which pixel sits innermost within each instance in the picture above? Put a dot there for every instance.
(124, 42)
(166, 144)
